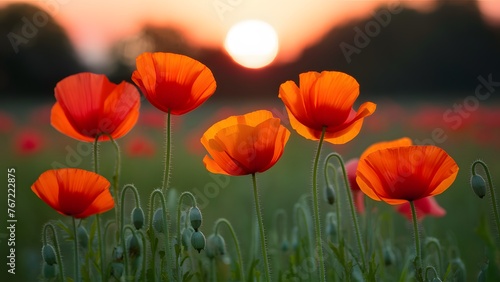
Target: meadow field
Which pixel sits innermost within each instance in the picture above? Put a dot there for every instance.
(466, 233)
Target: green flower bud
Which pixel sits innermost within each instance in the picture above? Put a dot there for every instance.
(295, 237)
(117, 270)
(198, 241)
(138, 217)
(186, 237)
(216, 246)
(389, 256)
(133, 246)
(49, 254)
(331, 225)
(330, 194)
(49, 271)
(195, 217)
(158, 220)
(117, 253)
(478, 185)
(83, 237)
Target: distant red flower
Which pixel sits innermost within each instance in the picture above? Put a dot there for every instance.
(325, 100)
(40, 115)
(173, 83)
(140, 146)
(89, 105)
(74, 192)
(359, 198)
(425, 207)
(6, 122)
(28, 141)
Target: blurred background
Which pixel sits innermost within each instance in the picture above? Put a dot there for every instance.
(432, 67)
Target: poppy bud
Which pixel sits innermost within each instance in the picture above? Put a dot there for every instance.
(49, 271)
(216, 246)
(158, 220)
(389, 257)
(331, 225)
(138, 217)
(83, 237)
(117, 270)
(186, 236)
(49, 254)
(478, 185)
(117, 253)
(133, 246)
(195, 217)
(198, 241)
(330, 194)
(295, 237)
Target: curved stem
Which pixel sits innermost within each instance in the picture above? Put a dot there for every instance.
(418, 258)
(136, 197)
(165, 225)
(336, 186)
(433, 241)
(352, 208)
(436, 275)
(261, 229)
(298, 207)
(236, 244)
(492, 192)
(277, 214)
(317, 223)
(47, 226)
(76, 253)
(179, 240)
(166, 171)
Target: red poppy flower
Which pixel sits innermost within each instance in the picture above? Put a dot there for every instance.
(425, 206)
(359, 198)
(28, 141)
(89, 105)
(405, 173)
(173, 82)
(140, 146)
(74, 192)
(325, 100)
(246, 144)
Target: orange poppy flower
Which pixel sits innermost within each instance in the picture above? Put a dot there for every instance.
(173, 82)
(396, 175)
(325, 100)
(246, 144)
(74, 192)
(89, 105)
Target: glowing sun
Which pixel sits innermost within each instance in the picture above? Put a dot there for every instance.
(252, 43)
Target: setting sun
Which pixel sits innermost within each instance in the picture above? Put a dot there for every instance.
(252, 43)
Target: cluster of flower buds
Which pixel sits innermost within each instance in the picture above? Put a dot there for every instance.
(198, 240)
(50, 261)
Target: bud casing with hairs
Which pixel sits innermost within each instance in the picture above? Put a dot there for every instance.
(195, 218)
(478, 185)
(216, 246)
(133, 246)
(49, 271)
(117, 270)
(330, 194)
(198, 241)
(158, 220)
(186, 237)
(49, 254)
(117, 253)
(137, 217)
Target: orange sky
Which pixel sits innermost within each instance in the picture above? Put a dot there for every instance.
(94, 25)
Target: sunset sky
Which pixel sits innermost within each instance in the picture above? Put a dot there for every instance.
(94, 25)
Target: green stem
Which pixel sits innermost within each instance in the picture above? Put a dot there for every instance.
(98, 218)
(298, 207)
(116, 190)
(236, 244)
(166, 240)
(56, 246)
(433, 241)
(122, 219)
(179, 239)
(166, 171)
(492, 192)
(261, 229)
(76, 253)
(418, 258)
(336, 186)
(352, 208)
(317, 223)
(214, 270)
